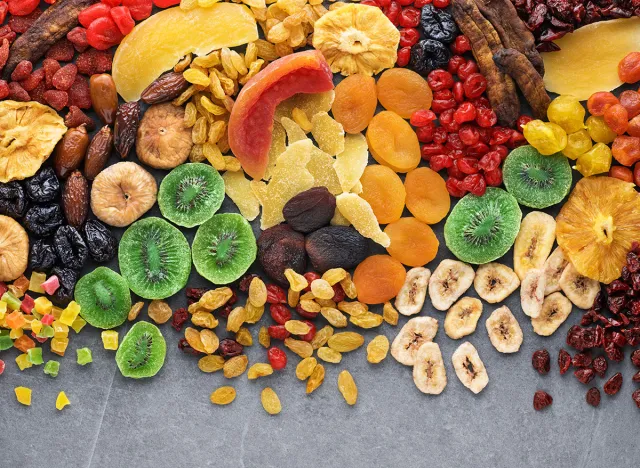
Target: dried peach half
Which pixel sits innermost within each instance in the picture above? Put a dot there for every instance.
(355, 102)
(427, 196)
(403, 91)
(413, 243)
(378, 279)
(384, 191)
(392, 142)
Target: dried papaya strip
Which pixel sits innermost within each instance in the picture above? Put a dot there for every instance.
(518, 66)
(49, 28)
(512, 31)
(485, 41)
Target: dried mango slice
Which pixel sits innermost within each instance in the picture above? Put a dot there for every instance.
(351, 162)
(294, 132)
(360, 214)
(278, 146)
(238, 188)
(29, 132)
(328, 133)
(321, 168)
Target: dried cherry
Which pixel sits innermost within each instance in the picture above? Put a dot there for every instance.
(541, 400)
(277, 358)
(70, 247)
(276, 295)
(613, 385)
(541, 361)
(229, 348)
(280, 313)
(102, 244)
(593, 396)
(635, 396)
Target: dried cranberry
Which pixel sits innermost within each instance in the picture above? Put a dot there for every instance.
(425, 132)
(225, 311)
(478, 149)
(180, 317)
(229, 348)
(522, 121)
(195, 293)
(404, 55)
(439, 80)
(454, 63)
(310, 276)
(338, 293)
(441, 105)
(593, 396)
(183, 345)
(440, 161)
(613, 385)
(408, 37)
(614, 353)
(584, 375)
(305, 314)
(458, 91)
(461, 45)
(541, 361)
(636, 377)
(633, 263)
(635, 358)
(636, 397)
(468, 166)
(439, 135)
(490, 161)
(276, 295)
(277, 358)
(312, 332)
(600, 366)
(280, 313)
(541, 400)
(582, 360)
(564, 361)
(246, 281)
(278, 332)
(393, 12)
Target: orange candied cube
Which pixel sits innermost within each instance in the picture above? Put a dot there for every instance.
(20, 286)
(59, 345)
(24, 343)
(15, 320)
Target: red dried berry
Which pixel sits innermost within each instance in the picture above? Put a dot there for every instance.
(185, 347)
(4, 89)
(564, 361)
(103, 34)
(166, 3)
(92, 13)
(75, 117)
(635, 396)
(225, 311)
(180, 317)
(466, 112)
(636, 377)
(584, 375)
(33, 80)
(425, 133)
(78, 37)
(338, 293)
(4, 52)
(635, 358)
(7, 33)
(277, 358)
(458, 91)
(600, 366)
(437, 162)
(613, 385)
(56, 98)
(439, 135)
(490, 161)
(461, 45)
(522, 121)
(4, 9)
(439, 80)
(17, 92)
(408, 37)
(195, 294)
(493, 178)
(245, 282)
(50, 67)
(467, 69)
(61, 51)
(122, 17)
(22, 71)
(474, 183)
(276, 295)
(593, 396)
(112, 3)
(441, 3)
(94, 61)
(392, 11)
(20, 24)
(229, 348)
(140, 9)
(454, 63)
(541, 400)
(541, 361)
(280, 313)
(310, 276)
(474, 85)
(305, 314)
(278, 332)
(312, 332)
(422, 117)
(486, 118)
(582, 360)
(22, 7)
(64, 78)
(404, 55)
(37, 93)
(79, 94)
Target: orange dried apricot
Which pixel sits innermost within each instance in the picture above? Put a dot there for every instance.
(427, 196)
(378, 279)
(384, 191)
(393, 142)
(413, 243)
(355, 102)
(403, 91)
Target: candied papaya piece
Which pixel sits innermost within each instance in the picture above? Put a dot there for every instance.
(328, 133)
(427, 195)
(251, 120)
(403, 91)
(321, 168)
(393, 142)
(355, 103)
(359, 213)
(413, 242)
(383, 190)
(378, 279)
(350, 164)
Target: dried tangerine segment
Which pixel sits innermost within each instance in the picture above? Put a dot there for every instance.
(413, 243)
(351, 162)
(238, 188)
(384, 191)
(427, 195)
(378, 279)
(328, 133)
(393, 142)
(355, 103)
(359, 213)
(403, 91)
(321, 168)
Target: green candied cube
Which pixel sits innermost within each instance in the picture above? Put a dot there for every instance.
(5, 342)
(12, 301)
(35, 356)
(51, 368)
(46, 331)
(84, 356)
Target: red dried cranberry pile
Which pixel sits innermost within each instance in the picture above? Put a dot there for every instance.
(549, 20)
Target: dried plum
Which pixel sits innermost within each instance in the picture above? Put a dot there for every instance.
(428, 55)
(310, 210)
(12, 200)
(44, 186)
(438, 24)
(68, 279)
(336, 247)
(279, 248)
(43, 255)
(70, 247)
(102, 245)
(43, 220)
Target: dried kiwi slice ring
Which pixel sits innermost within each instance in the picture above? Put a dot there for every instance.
(104, 298)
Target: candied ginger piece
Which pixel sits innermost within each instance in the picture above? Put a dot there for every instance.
(278, 145)
(361, 215)
(328, 133)
(294, 131)
(321, 168)
(338, 219)
(310, 103)
(238, 188)
(351, 162)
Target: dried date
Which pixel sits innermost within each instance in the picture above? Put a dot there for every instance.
(98, 152)
(70, 151)
(167, 87)
(75, 199)
(126, 127)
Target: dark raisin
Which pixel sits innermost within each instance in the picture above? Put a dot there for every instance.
(279, 248)
(44, 186)
(245, 281)
(600, 366)
(613, 385)
(428, 55)
(541, 361)
(564, 361)
(43, 220)
(185, 347)
(12, 200)
(336, 247)
(584, 375)
(541, 400)
(229, 348)
(635, 358)
(310, 210)
(438, 24)
(70, 247)
(180, 317)
(225, 311)
(68, 279)
(635, 396)
(126, 127)
(593, 396)
(582, 360)
(43, 255)
(102, 244)
(195, 293)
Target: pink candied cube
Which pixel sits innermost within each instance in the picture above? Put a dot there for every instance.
(51, 285)
(47, 319)
(38, 339)
(27, 304)
(3, 288)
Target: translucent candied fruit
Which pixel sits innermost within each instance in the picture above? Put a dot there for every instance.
(321, 168)
(238, 188)
(309, 103)
(35, 282)
(599, 131)
(626, 150)
(427, 195)
(403, 91)
(595, 161)
(413, 243)
(629, 68)
(393, 142)
(600, 102)
(577, 143)
(383, 190)
(361, 216)
(328, 133)
(355, 102)
(548, 138)
(567, 112)
(62, 401)
(278, 146)
(110, 339)
(378, 279)
(351, 162)
(294, 131)
(23, 395)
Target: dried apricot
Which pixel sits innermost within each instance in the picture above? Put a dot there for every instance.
(629, 68)
(378, 279)
(600, 102)
(617, 118)
(403, 91)
(393, 142)
(384, 191)
(413, 243)
(355, 102)
(427, 196)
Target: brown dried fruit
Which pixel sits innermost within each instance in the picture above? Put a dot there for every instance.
(270, 401)
(223, 395)
(166, 88)
(336, 247)
(280, 248)
(70, 151)
(75, 199)
(126, 127)
(235, 366)
(104, 97)
(347, 387)
(135, 311)
(162, 140)
(98, 152)
(310, 210)
(316, 378)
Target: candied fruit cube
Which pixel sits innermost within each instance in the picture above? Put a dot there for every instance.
(35, 283)
(59, 345)
(24, 343)
(23, 395)
(60, 330)
(70, 313)
(51, 285)
(46, 332)
(84, 356)
(52, 368)
(57, 312)
(5, 342)
(16, 333)
(11, 300)
(23, 362)
(47, 318)
(78, 324)
(3, 309)
(62, 401)
(43, 306)
(36, 326)
(27, 304)
(35, 356)
(110, 339)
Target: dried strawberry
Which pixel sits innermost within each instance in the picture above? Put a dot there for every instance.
(4, 52)
(22, 7)
(33, 80)
(7, 33)
(64, 78)
(122, 17)
(56, 98)
(78, 37)
(140, 9)
(92, 13)
(50, 67)
(20, 24)
(76, 117)
(4, 8)
(17, 92)
(37, 94)
(4, 89)
(61, 51)
(93, 62)
(79, 94)
(22, 71)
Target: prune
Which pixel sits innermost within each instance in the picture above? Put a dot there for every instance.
(593, 396)
(541, 361)
(279, 248)
(229, 348)
(70, 247)
(336, 247)
(102, 245)
(44, 186)
(12, 200)
(68, 279)
(438, 24)
(310, 210)
(428, 55)
(613, 385)
(43, 220)
(541, 400)
(43, 255)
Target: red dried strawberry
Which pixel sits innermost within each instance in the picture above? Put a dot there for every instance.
(4, 8)
(56, 98)
(78, 37)
(64, 78)
(79, 93)
(17, 92)
(7, 33)
(22, 71)
(50, 67)
(33, 80)
(61, 51)
(37, 94)
(4, 89)
(20, 24)
(4, 52)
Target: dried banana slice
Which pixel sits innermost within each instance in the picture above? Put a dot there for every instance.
(532, 292)
(410, 299)
(429, 373)
(470, 368)
(504, 331)
(495, 282)
(553, 268)
(415, 333)
(462, 318)
(555, 310)
(579, 289)
(534, 242)
(449, 281)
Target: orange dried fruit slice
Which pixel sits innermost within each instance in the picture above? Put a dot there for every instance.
(383, 189)
(355, 103)
(378, 279)
(427, 195)
(413, 243)
(403, 91)
(393, 142)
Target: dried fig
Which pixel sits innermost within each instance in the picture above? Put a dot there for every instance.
(163, 141)
(336, 247)
(75, 199)
(14, 249)
(279, 248)
(310, 210)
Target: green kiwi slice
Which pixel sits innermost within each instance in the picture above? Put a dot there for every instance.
(104, 298)
(482, 229)
(154, 258)
(142, 351)
(535, 180)
(190, 194)
(224, 248)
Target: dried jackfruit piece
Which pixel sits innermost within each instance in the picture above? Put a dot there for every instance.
(351, 162)
(238, 188)
(294, 132)
(310, 103)
(278, 146)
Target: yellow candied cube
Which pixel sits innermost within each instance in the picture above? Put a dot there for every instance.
(23, 361)
(62, 401)
(36, 326)
(60, 330)
(56, 312)
(70, 313)
(110, 339)
(23, 395)
(43, 305)
(3, 309)
(78, 324)
(35, 283)
(16, 333)
(59, 345)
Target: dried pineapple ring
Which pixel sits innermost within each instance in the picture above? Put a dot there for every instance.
(356, 39)
(29, 132)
